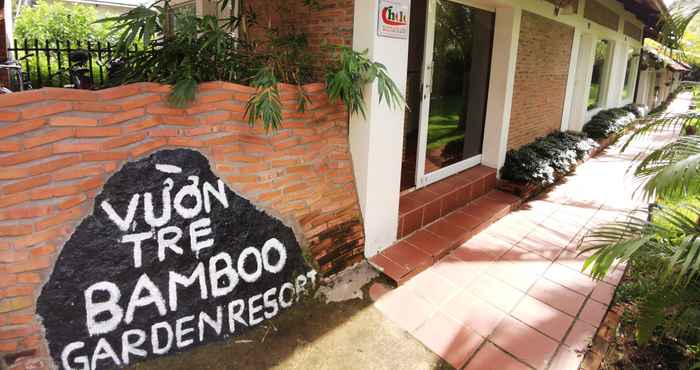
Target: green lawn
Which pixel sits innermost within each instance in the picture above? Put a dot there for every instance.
(593, 97)
(443, 123)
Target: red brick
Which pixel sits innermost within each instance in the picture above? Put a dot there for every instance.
(8, 200)
(29, 278)
(24, 212)
(142, 124)
(72, 121)
(147, 147)
(53, 165)
(37, 263)
(40, 237)
(118, 92)
(186, 142)
(26, 184)
(75, 147)
(72, 201)
(164, 132)
(121, 117)
(97, 131)
(43, 250)
(10, 333)
(10, 146)
(50, 137)
(19, 128)
(123, 140)
(12, 256)
(45, 109)
(79, 172)
(19, 98)
(63, 216)
(98, 107)
(15, 230)
(26, 156)
(16, 291)
(9, 115)
(105, 156)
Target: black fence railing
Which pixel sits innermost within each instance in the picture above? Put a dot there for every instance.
(46, 63)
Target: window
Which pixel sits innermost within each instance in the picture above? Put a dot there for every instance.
(600, 64)
(630, 73)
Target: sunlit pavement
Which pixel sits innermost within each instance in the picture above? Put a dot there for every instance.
(514, 296)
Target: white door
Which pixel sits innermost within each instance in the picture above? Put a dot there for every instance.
(455, 78)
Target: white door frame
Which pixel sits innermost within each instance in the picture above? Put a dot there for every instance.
(423, 178)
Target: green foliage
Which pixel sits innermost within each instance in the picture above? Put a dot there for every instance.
(608, 123)
(183, 49)
(58, 21)
(541, 161)
(639, 110)
(346, 79)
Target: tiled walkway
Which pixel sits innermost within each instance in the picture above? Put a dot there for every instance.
(514, 296)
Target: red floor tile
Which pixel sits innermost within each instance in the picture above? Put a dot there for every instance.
(593, 312)
(433, 287)
(486, 209)
(429, 243)
(495, 292)
(389, 267)
(473, 312)
(571, 279)
(603, 293)
(408, 256)
(524, 343)
(448, 339)
(503, 197)
(463, 220)
(515, 274)
(407, 205)
(484, 242)
(448, 230)
(412, 221)
(405, 308)
(491, 357)
(557, 296)
(580, 336)
(566, 359)
(543, 318)
(457, 271)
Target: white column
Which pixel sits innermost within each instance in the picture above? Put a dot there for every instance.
(376, 141)
(500, 96)
(582, 84)
(571, 81)
(616, 77)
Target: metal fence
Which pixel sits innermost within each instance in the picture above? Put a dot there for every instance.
(46, 63)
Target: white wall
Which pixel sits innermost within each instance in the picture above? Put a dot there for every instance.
(376, 142)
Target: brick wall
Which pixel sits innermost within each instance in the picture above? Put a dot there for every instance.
(330, 24)
(58, 147)
(541, 73)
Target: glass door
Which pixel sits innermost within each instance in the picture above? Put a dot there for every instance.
(453, 94)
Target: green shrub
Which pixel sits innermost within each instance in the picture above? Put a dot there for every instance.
(639, 110)
(608, 122)
(526, 166)
(197, 49)
(542, 160)
(561, 158)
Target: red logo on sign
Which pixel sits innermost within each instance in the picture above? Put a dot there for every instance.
(392, 18)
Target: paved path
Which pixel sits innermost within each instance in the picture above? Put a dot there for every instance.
(514, 296)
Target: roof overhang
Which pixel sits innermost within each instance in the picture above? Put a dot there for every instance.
(647, 11)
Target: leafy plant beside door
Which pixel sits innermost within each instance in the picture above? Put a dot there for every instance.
(182, 49)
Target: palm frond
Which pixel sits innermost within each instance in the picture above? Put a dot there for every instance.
(671, 236)
(661, 122)
(672, 171)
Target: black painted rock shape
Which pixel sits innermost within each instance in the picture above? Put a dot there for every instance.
(100, 264)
